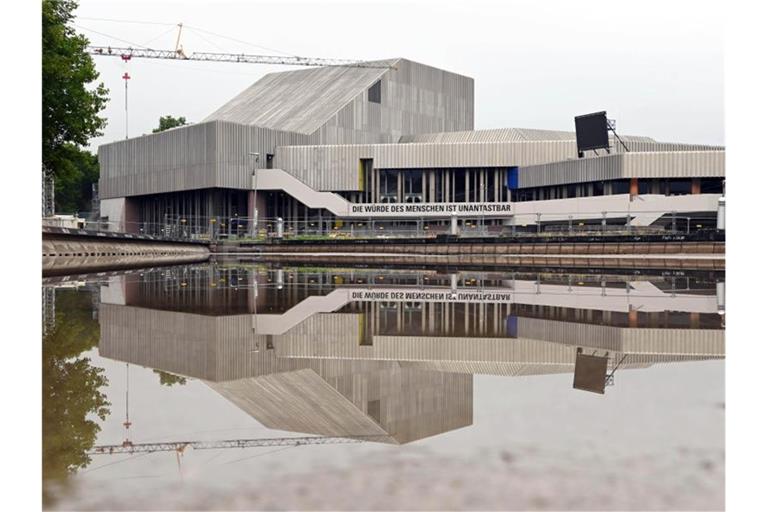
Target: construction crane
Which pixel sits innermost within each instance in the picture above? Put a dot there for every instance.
(143, 52)
(128, 447)
(127, 53)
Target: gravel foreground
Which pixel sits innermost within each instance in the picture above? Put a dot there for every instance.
(685, 480)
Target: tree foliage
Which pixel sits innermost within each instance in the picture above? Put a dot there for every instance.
(72, 393)
(78, 172)
(70, 107)
(168, 122)
(169, 379)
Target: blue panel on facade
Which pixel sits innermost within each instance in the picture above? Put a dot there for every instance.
(512, 178)
(512, 326)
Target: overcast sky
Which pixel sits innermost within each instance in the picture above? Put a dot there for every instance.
(656, 67)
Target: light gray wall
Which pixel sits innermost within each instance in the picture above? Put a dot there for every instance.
(205, 155)
(178, 159)
(415, 98)
(665, 164)
(335, 168)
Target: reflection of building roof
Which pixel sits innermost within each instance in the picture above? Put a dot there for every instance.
(298, 401)
(403, 403)
(331, 373)
(319, 396)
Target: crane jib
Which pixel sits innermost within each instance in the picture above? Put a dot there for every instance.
(129, 447)
(127, 53)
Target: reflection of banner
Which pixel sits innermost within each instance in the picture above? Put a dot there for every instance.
(433, 208)
(432, 296)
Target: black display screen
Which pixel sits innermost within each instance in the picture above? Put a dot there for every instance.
(591, 131)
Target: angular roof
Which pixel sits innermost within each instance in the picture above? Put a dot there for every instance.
(299, 101)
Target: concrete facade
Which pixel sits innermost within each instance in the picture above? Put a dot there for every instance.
(393, 139)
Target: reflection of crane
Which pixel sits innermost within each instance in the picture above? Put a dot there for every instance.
(180, 446)
(127, 424)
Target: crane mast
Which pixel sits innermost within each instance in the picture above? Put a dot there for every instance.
(127, 53)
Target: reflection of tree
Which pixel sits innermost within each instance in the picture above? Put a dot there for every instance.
(169, 379)
(71, 387)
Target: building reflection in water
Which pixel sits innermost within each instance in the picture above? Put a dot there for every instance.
(392, 354)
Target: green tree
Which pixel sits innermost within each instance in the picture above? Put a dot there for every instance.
(71, 387)
(75, 179)
(71, 105)
(168, 122)
(169, 379)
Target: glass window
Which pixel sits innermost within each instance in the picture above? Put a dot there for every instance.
(679, 187)
(388, 186)
(374, 93)
(439, 185)
(620, 186)
(644, 186)
(460, 186)
(374, 410)
(412, 184)
(711, 186)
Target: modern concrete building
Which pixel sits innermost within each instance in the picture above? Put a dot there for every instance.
(329, 147)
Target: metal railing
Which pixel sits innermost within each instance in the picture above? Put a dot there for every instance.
(244, 229)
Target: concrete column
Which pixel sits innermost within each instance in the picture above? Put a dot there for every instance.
(253, 294)
(252, 214)
(696, 186)
(132, 222)
(374, 196)
(721, 213)
(634, 187)
(454, 224)
(720, 295)
(695, 320)
(279, 227)
(632, 317)
(466, 187)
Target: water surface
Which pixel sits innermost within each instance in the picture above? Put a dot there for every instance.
(460, 385)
